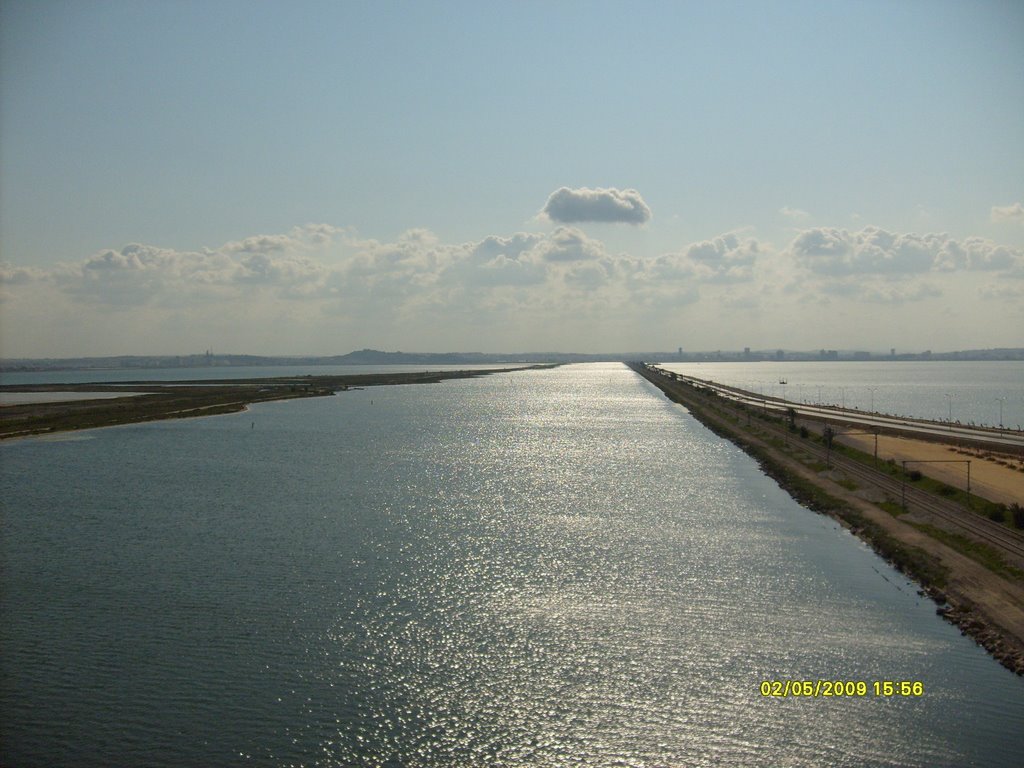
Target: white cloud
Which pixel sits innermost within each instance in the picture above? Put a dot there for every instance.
(725, 258)
(12, 275)
(307, 237)
(551, 290)
(1012, 293)
(1014, 212)
(571, 206)
(570, 244)
(830, 251)
(794, 213)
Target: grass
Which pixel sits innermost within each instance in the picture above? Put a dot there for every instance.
(892, 508)
(977, 551)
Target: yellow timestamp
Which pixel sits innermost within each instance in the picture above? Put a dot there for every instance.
(817, 689)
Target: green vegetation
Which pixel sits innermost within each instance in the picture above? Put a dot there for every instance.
(980, 553)
(992, 510)
(892, 508)
(1017, 513)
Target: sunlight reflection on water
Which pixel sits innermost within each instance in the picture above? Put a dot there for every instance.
(544, 568)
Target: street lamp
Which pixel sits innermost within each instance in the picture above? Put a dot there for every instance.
(872, 391)
(949, 398)
(1000, 399)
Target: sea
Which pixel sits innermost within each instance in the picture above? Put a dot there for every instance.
(539, 568)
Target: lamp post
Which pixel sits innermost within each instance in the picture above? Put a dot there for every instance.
(1000, 399)
(949, 398)
(872, 391)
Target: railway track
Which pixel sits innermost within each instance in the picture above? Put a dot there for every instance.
(953, 514)
(916, 499)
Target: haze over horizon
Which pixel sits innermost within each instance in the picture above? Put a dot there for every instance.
(315, 178)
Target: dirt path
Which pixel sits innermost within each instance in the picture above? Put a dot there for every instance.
(994, 481)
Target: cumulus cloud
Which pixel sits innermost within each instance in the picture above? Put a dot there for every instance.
(1013, 212)
(509, 247)
(325, 279)
(830, 251)
(12, 275)
(794, 213)
(1011, 293)
(880, 291)
(571, 206)
(139, 274)
(569, 244)
(299, 238)
(727, 258)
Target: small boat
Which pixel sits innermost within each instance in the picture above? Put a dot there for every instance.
(782, 381)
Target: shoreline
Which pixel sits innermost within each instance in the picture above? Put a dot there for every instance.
(163, 400)
(982, 604)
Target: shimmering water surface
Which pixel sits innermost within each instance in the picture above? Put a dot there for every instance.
(541, 568)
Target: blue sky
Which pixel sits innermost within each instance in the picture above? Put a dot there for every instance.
(311, 177)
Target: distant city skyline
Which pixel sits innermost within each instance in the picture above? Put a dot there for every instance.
(316, 178)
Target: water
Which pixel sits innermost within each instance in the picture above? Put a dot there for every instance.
(969, 392)
(543, 568)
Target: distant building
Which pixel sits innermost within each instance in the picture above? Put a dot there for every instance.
(780, 354)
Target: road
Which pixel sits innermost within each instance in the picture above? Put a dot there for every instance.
(1004, 439)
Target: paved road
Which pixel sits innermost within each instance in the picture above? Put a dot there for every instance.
(928, 430)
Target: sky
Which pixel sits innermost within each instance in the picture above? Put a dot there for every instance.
(303, 178)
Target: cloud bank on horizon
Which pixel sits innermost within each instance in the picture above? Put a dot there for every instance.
(321, 289)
